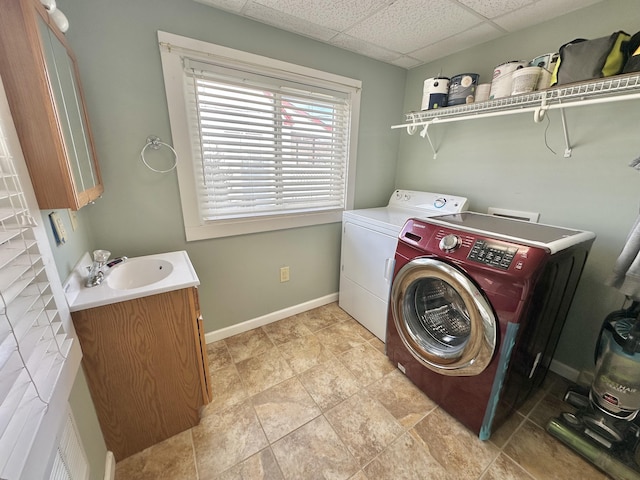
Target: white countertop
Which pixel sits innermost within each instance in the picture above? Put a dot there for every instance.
(80, 297)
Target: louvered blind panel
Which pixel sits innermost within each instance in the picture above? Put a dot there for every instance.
(21, 431)
(33, 343)
(266, 145)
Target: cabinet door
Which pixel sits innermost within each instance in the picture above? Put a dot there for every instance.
(68, 104)
(143, 368)
(41, 78)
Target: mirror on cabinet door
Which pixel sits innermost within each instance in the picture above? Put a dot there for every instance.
(68, 103)
(45, 95)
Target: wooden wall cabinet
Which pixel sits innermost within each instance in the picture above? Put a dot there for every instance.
(145, 361)
(41, 79)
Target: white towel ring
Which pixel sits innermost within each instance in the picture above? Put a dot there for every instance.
(155, 143)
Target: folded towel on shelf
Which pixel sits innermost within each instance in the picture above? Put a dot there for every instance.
(626, 271)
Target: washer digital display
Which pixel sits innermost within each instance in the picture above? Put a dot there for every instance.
(492, 254)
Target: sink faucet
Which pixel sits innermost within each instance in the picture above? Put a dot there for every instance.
(96, 272)
(116, 261)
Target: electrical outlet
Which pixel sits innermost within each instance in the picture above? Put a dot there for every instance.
(284, 274)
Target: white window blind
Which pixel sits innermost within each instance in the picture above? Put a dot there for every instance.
(266, 145)
(262, 144)
(34, 346)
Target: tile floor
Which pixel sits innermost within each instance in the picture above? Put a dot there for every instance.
(314, 397)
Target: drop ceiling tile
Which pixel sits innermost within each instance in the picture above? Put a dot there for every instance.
(458, 42)
(495, 8)
(228, 5)
(406, 62)
(406, 24)
(334, 14)
(356, 45)
(539, 12)
(287, 22)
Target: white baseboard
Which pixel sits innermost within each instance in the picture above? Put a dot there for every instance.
(226, 332)
(564, 370)
(110, 466)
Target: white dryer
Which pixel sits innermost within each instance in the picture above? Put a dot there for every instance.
(369, 238)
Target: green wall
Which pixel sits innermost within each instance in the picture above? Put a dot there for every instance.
(116, 46)
(79, 240)
(115, 43)
(503, 161)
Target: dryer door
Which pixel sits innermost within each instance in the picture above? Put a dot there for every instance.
(442, 318)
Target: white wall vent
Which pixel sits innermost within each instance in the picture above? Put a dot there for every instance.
(70, 462)
(514, 214)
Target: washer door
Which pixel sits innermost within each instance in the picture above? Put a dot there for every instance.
(442, 318)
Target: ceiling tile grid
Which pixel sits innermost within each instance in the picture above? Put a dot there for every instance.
(363, 47)
(285, 21)
(330, 14)
(495, 8)
(410, 23)
(406, 33)
(539, 12)
(474, 36)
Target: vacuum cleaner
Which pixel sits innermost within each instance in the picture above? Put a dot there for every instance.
(605, 428)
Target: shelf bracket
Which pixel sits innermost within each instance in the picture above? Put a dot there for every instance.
(540, 112)
(412, 127)
(425, 134)
(567, 150)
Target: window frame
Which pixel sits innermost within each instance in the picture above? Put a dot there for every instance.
(172, 49)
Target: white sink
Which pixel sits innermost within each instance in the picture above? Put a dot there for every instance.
(138, 272)
(135, 278)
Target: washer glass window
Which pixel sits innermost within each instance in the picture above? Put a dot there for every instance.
(437, 318)
(442, 318)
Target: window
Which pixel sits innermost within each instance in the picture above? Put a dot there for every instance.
(262, 144)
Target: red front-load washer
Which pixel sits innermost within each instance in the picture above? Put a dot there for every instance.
(477, 306)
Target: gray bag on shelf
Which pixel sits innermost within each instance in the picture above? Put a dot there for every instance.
(582, 59)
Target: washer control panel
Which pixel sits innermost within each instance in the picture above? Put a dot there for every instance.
(449, 243)
(470, 249)
(492, 254)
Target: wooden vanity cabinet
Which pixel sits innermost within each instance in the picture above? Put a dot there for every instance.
(146, 365)
(40, 76)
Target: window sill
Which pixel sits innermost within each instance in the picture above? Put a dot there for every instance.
(220, 229)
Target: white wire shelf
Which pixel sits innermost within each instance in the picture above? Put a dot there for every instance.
(566, 95)
(603, 90)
